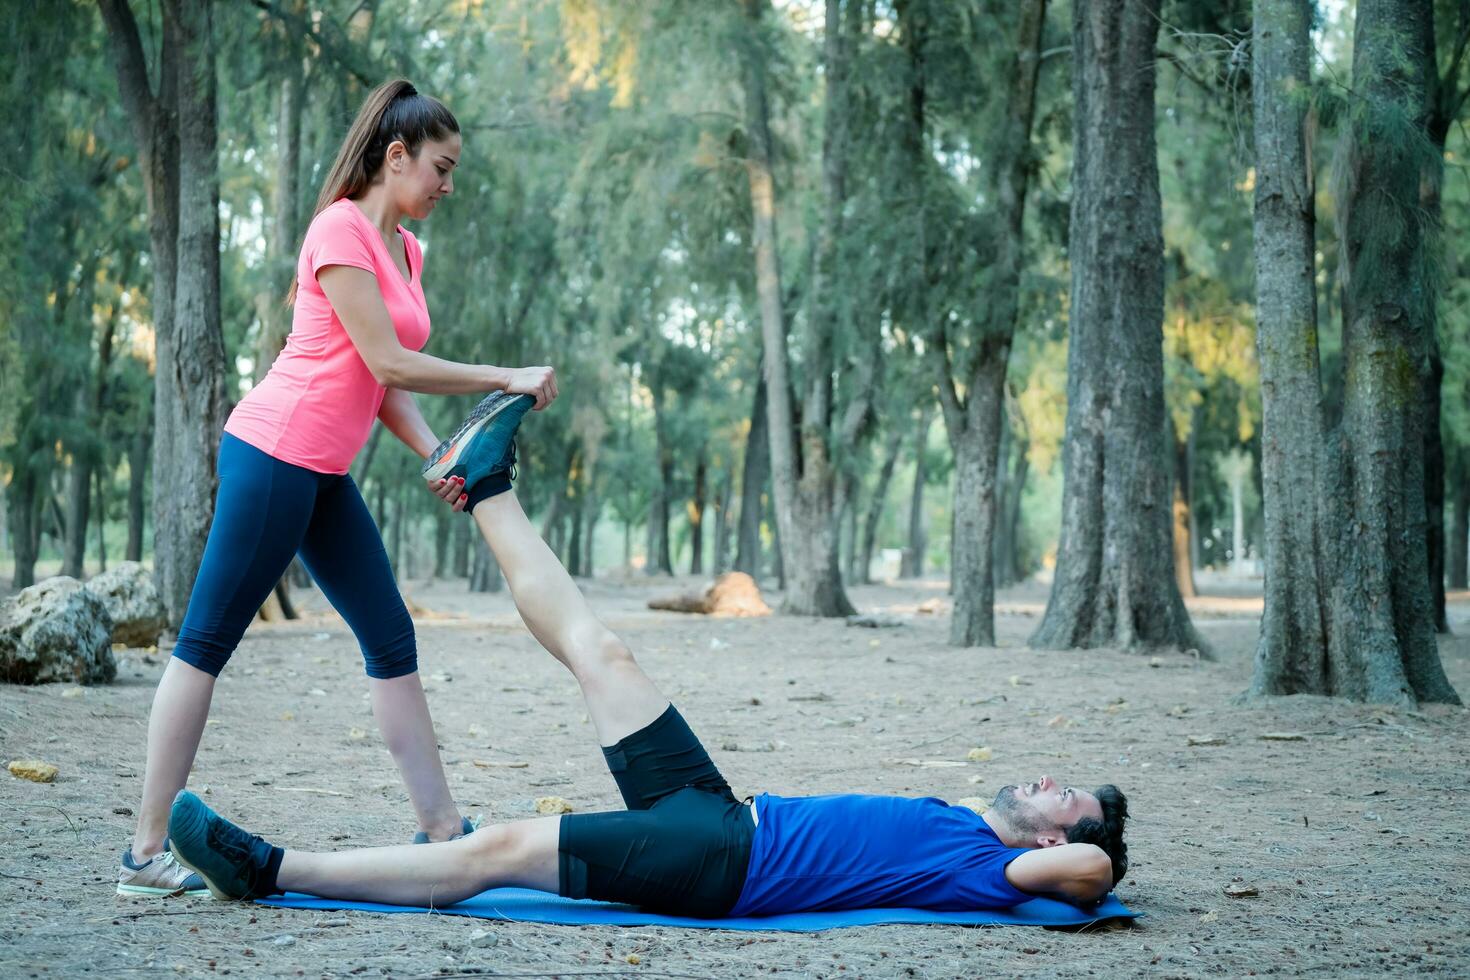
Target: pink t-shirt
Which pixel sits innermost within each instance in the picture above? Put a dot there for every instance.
(315, 407)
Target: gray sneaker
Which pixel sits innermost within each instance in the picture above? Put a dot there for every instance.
(466, 827)
(160, 875)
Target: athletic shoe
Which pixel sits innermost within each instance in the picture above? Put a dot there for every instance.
(482, 445)
(232, 862)
(466, 827)
(159, 875)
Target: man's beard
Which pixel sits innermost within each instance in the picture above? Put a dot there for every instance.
(1022, 817)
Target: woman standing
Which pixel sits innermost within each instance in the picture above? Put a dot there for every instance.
(353, 355)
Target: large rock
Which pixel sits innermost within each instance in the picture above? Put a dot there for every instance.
(56, 631)
(732, 594)
(132, 600)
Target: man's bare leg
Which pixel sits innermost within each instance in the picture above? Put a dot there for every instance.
(620, 698)
(522, 854)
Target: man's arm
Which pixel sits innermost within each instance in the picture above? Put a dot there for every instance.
(1080, 873)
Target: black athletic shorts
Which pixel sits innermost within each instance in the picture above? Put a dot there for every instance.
(683, 845)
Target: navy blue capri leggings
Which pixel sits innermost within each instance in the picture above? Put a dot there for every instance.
(266, 512)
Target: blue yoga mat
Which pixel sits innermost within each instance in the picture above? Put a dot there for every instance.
(526, 905)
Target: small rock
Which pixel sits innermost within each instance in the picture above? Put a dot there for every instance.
(123, 811)
(552, 806)
(33, 769)
(634, 959)
(56, 630)
(981, 754)
(284, 940)
(128, 592)
(715, 643)
(73, 692)
(356, 733)
(1241, 890)
(317, 692)
(483, 939)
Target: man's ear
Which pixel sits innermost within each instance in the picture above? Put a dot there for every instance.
(1053, 839)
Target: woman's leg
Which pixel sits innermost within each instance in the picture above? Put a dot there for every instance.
(260, 513)
(344, 553)
(522, 854)
(620, 697)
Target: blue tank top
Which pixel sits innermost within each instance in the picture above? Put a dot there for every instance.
(849, 851)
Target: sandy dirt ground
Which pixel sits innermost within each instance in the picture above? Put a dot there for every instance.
(1354, 833)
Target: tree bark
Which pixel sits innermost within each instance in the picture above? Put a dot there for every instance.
(970, 372)
(722, 525)
(175, 129)
(754, 474)
(876, 502)
(912, 565)
(1383, 606)
(25, 518)
(659, 558)
(101, 493)
(696, 519)
(1183, 549)
(1459, 533)
(484, 569)
(803, 488)
(1348, 609)
(139, 452)
(1114, 584)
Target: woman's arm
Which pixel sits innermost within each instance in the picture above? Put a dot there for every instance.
(354, 295)
(401, 415)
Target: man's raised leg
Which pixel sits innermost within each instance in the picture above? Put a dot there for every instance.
(620, 698)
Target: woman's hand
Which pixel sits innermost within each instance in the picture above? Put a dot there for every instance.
(539, 382)
(451, 491)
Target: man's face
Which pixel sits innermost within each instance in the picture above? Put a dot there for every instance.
(1043, 810)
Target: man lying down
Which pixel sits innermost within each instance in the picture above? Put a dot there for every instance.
(685, 845)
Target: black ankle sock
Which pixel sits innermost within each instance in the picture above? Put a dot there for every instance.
(270, 867)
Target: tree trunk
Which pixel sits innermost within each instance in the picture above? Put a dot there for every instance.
(484, 569)
(659, 559)
(755, 473)
(1006, 561)
(876, 502)
(275, 323)
(1383, 607)
(101, 492)
(176, 134)
(1459, 533)
(1114, 584)
(912, 565)
(138, 455)
(464, 539)
(722, 525)
(970, 372)
(25, 518)
(1183, 552)
(696, 519)
(1348, 605)
(803, 488)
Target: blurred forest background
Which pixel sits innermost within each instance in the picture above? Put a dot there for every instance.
(892, 212)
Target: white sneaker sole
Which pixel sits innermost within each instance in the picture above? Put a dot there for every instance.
(445, 457)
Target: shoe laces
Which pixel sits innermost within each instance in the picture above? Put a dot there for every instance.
(238, 848)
